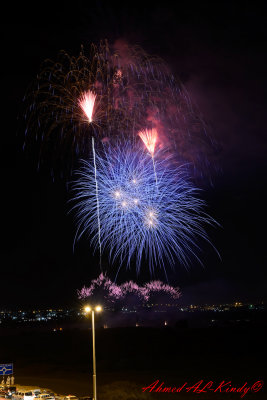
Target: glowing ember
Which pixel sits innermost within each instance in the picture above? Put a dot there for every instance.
(149, 137)
(87, 103)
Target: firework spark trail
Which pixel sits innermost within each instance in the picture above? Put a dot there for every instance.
(155, 173)
(87, 103)
(97, 204)
(149, 137)
(139, 222)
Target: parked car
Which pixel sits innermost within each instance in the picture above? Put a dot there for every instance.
(46, 396)
(20, 395)
(29, 395)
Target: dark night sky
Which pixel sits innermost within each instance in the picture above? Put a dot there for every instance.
(218, 49)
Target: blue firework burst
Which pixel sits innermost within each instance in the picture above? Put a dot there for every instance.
(157, 220)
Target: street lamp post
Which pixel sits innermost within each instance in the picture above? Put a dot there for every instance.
(94, 364)
(87, 310)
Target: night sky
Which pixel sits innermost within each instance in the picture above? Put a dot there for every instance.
(218, 50)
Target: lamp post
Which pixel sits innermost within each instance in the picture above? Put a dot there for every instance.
(87, 310)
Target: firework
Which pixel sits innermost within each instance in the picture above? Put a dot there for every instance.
(87, 102)
(155, 289)
(139, 221)
(134, 294)
(149, 137)
(66, 95)
(101, 289)
(129, 293)
(133, 90)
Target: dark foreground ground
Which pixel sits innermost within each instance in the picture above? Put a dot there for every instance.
(129, 359)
